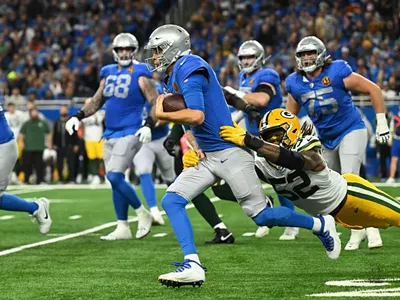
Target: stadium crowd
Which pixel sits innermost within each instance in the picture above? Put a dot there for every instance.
(53, 50)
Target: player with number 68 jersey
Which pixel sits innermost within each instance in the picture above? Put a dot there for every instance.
(124, 88)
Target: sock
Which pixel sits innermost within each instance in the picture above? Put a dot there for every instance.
(14, 203)
(121, 206)
(286, 202)
(282, 216)
(206, 209)
(140, 210)
(220, 226)
(194, 257)
(149, 192)
(317, 225)
(119, 184)
(122, 223)
(174, 206)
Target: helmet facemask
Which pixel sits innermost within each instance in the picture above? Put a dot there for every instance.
(250, 63)
(277, 135)
(310, 54)
(158, 62)
(124, 58)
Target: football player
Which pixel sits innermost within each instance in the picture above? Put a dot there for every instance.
(206, 112)
(150, 153)
(323, 87)
(8, 156)
(290, 159)
(260, 87)
(124, 88)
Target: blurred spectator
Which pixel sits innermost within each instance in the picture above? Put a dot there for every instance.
(33, 136)
(66, 146)
(16, 98)
(387, 92)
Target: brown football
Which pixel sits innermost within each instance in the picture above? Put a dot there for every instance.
(173, 102)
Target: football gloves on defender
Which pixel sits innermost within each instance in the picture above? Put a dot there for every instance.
(234, 134)
(382, 129)
(253, 114)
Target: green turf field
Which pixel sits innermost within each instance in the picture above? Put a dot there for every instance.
(84, 267)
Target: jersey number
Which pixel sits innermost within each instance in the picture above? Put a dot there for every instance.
(301, 190)
(326, 106)
(117, 86)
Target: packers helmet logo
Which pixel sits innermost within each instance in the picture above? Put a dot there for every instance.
(251, 81)
(176, 88)
(286, 114)
(130, 70)
(326, 80)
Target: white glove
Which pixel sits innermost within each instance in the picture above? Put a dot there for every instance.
(72, 125)
(144, 134)
(382, 129)
(231, 90)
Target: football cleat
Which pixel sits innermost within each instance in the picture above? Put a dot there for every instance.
(157, 217)
(262, 231)
(374, 238)
(120, 233)
(222, 236)
(145, 219)
(329, 236)
(189, 272)
(42, 215)
(356, 237)
(290, 234)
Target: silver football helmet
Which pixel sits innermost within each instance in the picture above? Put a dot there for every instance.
(251, 48)
(167, 43)
(124, 40)
(310, 43)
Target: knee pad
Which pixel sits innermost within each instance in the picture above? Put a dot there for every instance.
(171, 200)
(115, 177)
(271, 217)
(143, 169)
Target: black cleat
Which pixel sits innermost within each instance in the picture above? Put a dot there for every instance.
(222, 236)
(178, 284)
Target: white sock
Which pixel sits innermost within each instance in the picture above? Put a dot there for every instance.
(220, 225)
(140, 210)
(122, 223)
(317, 225)
(194, 257)
(154, 209)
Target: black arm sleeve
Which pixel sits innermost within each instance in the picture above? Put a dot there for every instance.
(234, 100)
(264, 88)
(290, 159)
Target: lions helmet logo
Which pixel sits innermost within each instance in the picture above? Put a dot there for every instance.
(326, 80)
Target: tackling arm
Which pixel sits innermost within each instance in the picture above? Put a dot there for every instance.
(292, 106)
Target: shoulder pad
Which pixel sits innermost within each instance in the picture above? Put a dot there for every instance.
(306, 143)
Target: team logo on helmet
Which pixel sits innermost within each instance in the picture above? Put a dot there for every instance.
(326, 80)
(287, 114)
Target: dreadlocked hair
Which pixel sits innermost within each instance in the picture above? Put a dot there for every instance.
(307, 129)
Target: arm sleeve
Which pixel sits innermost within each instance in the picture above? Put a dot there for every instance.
(193, 88)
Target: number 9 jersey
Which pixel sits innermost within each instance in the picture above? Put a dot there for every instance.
(124, 101)
(328, 103)
(314, 192)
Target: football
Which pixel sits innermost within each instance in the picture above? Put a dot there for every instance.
(173, 102)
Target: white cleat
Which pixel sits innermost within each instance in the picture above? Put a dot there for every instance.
(290, 234)
(374, 238)
(356, 237)
(95, 180)
(157, 217)
(329, 237)
(42, 215)
(262, 231)
(390, 180)
(120, 233)
(145, 219)
(189, 273)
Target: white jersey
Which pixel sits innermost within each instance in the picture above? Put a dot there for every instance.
(16, 120)
(93, 127)
(315, 192)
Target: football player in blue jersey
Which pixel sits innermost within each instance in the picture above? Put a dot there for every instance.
(124, 88)
(261, 88)
(8, 156)
(150, 153)
(206, 112)
(323, 87)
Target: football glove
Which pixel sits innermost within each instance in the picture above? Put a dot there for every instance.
(253, 114)
(234, 134)
(72, 125)
(144, 134)
(190, 159)
(382, 129)
(169, 145)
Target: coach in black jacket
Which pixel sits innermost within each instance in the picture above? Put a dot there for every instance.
(66, 146)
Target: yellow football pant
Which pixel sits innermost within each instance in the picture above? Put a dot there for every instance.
(94, 149)
(367, 206)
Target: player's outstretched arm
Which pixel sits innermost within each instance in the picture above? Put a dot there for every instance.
(357, 83)
(292, 106)
(234, 99)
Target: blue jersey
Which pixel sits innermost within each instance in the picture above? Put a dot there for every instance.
(124, 101)
(249, 85)
(328, 103)
(215, 108)
(159, 131)
(6, 134)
